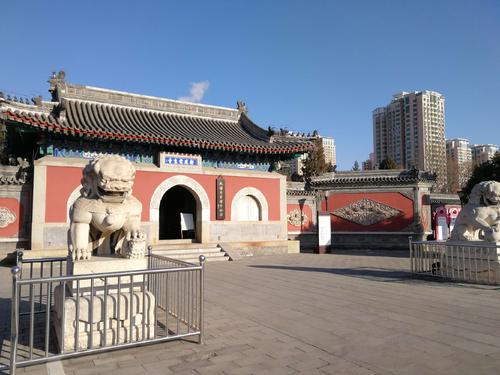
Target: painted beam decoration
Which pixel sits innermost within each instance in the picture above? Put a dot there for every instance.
(72, 152)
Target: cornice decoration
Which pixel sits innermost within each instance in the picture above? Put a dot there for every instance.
(366, 212)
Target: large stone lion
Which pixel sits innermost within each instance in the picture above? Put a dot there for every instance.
(107, 217)
(480, 217)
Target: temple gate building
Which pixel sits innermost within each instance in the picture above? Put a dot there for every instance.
(211, 163)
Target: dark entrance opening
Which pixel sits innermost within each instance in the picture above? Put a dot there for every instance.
(176, 200)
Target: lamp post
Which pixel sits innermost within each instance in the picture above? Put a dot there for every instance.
(302, 201)
(326, 195)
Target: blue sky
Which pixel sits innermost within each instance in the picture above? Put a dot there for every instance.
(301, 65)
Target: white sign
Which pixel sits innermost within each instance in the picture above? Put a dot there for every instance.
(442, 229)
(324, 229)
(187, 222)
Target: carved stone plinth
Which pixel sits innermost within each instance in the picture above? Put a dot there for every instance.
(101, 264)
(92, 314)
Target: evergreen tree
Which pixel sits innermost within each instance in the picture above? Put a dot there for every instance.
(489, 171)
(388, 163)
(355, 167)
(315, 163)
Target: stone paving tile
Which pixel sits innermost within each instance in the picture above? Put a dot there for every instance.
(320, 314)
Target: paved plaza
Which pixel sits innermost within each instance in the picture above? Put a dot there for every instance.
(349, 313)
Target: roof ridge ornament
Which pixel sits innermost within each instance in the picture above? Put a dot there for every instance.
(55, 80)
(242, 107)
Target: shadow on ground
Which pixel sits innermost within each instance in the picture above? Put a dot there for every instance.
(381, 275)
(364, 253)
(375, 274)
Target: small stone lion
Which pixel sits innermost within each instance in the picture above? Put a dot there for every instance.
(480, 217)
(107, 217)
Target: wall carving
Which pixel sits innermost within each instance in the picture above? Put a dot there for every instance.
(366, 212)
(7, 217)
(297, 218)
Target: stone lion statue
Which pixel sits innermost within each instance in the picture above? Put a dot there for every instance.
(480, 217)
(106, 217)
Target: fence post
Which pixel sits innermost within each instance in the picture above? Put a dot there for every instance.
(14, 318)
(411, 253)
(150, 252)
(202, 287)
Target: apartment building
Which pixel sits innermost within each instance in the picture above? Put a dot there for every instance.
(459, 163)
(482, 153)
(410, 130)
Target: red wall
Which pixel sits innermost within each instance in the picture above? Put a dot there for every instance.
(307, 224)
(61, 181)
(394, 224)
(14, 206)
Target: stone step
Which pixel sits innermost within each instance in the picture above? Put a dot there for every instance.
(182, 256)
(208, 259)
(191, 254)
(187, 251)
(176, 246)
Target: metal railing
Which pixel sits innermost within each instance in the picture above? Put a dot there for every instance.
(477, 263)
(54, 316)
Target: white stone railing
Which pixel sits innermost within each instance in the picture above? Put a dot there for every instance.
(476, 262)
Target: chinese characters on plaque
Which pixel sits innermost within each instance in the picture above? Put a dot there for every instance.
(220, 198)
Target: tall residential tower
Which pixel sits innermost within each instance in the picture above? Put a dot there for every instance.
(459, 161)
(410, 130)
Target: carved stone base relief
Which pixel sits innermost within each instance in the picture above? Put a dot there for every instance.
(366, 212)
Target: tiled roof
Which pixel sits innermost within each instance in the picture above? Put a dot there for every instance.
(174, 124)
(373, 177)
(445, 198)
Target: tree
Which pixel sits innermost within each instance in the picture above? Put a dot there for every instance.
(458, 175)
(355, 167)
(388, 163)
(332, 168)
(489, 171)
(315, 164)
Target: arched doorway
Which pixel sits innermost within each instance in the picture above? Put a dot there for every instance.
(175, 201)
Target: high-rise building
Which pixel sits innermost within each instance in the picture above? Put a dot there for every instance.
(369, 164)
(410, 130)
(329, 150)
(482, 153)
(459, 162)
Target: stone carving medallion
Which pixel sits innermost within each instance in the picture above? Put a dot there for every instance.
(296, 218)
(6, 217)
(366, 212)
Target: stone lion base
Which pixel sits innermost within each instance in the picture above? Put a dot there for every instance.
(118, 327)
(119, 324)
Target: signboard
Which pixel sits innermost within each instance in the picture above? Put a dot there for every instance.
(324, 231)
(180, 161)
(169, 160)
(187, 222)
(441, 228)
(220, 196)
(441, 224)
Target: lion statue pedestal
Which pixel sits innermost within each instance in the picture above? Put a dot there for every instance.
(105, 236)
(474, 246)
